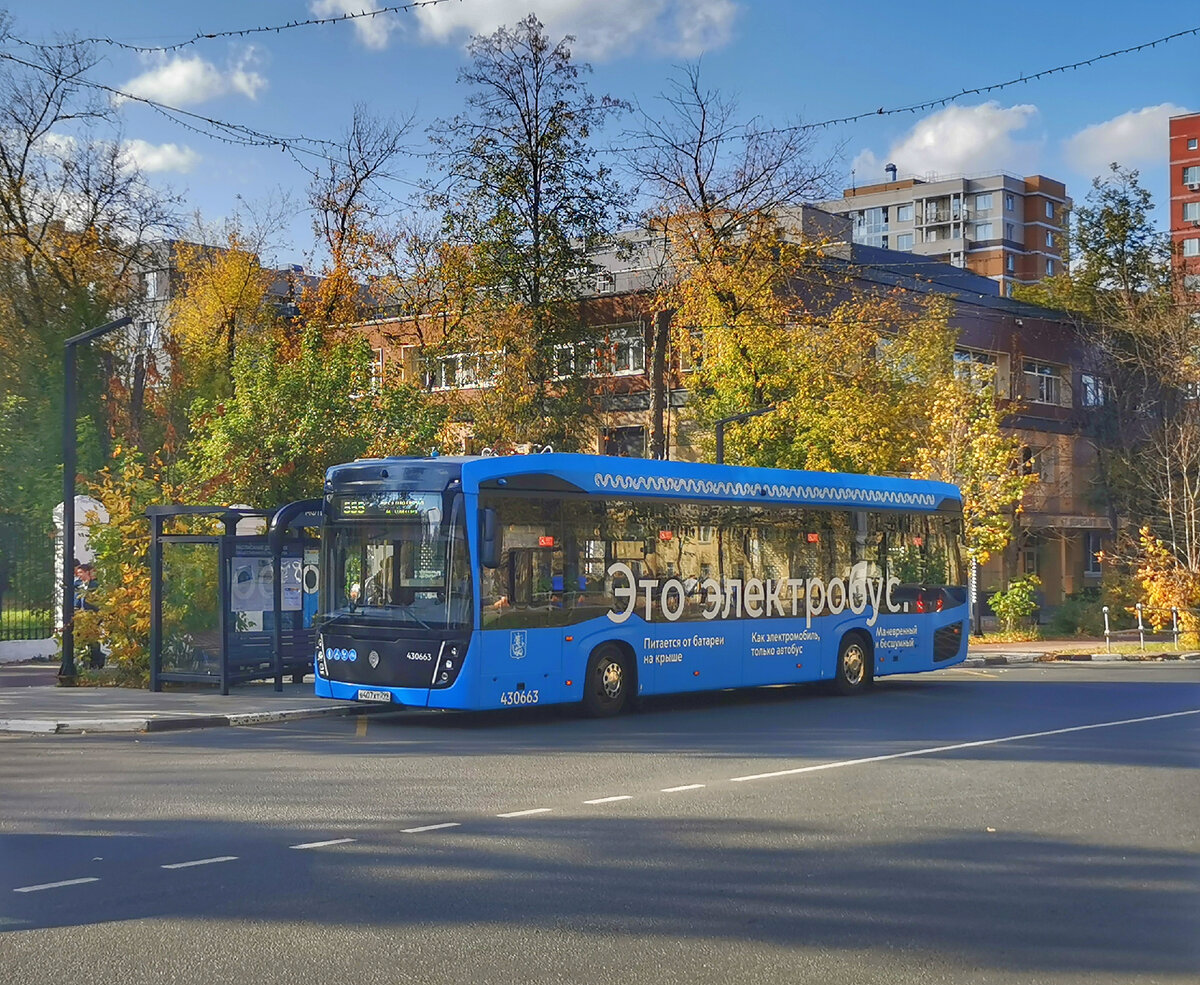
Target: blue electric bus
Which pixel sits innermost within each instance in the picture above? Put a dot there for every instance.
(491, 582)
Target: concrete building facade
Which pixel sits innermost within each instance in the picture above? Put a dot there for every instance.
(1006, 228)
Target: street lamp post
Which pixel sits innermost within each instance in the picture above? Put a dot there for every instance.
(66, 672)
(720, 427)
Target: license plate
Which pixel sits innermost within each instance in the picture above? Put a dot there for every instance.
(365, 695)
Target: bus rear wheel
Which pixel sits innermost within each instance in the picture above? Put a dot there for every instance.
(607, 682)
(853, 666)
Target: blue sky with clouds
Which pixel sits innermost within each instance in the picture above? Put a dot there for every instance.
(786, 61)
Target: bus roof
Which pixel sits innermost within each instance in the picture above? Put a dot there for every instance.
(609, 475)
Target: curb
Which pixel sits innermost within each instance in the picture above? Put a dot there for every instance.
(1006, 659)
(78, 726)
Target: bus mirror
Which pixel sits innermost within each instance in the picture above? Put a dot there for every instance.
(489, 540)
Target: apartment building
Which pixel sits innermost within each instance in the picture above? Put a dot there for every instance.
(1006, 228)
(1184, 156)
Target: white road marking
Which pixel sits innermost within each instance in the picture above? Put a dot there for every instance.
(56, 885)
(931, 750)
(323, 844)
(686, 786)
(532, 810)
(201, 861)
(431, 827)
(609, 800)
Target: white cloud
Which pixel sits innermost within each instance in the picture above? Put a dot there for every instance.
(159, 157)
(188, 79)
(1136, 138)
(373, 32)
(678, 28)
(959, 140)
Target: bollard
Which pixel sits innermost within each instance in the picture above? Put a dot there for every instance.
(1175, 625)
(1141, 628)
(1107, 646)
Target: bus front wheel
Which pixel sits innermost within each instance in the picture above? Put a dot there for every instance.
(853, 666)
(607, 682)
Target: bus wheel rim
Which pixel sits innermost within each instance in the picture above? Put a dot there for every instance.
(853, 664)
(610, 679)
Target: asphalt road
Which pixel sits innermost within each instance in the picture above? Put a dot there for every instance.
(1025, 824)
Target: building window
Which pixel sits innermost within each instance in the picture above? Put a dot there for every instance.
(1043, 382)
(983, 203)
(931, 235)
(1049, 239)
(1093, 545)
(1193, 142)
(1191, 247)
(463, 370)
(904, 242)
(1010, 264)
(1191, 211)
(150, 277)
(983, 230)
(975, 367)
(1010, 231)
(1010, 203)
(904, 213)
(1093, 391)
(377, 364)
(1029, 557)
(627, 442)
(616, 352)
(1039, 462)
(1049, 210)
(1049, 268)
(1191, 175)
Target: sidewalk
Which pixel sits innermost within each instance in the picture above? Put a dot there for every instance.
(47, 709)
(1035, 651)
(33, 704)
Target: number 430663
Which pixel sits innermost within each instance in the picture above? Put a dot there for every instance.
(519, 698)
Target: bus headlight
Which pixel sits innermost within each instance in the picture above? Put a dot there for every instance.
(322, 667)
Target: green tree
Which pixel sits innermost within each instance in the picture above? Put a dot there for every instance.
(76, 216)
(524, 187)
(292, 416)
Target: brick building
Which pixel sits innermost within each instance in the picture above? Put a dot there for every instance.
(1041, 370)
(1184, 156)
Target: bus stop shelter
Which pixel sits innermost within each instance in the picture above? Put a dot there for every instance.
(233, 593)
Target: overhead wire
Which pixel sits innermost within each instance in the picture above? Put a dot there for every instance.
(938, 101)
(238, 32)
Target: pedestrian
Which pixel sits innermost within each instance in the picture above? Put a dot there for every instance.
(85, 585)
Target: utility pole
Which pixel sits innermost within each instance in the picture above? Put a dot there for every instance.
(66, 672)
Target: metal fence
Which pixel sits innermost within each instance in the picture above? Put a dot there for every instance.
(26, 578)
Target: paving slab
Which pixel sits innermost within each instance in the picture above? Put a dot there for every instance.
(47, 709)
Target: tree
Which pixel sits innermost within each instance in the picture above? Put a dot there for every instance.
(76, 216)
(718, 191)
(352, 218)
(290, 418)
(524, 188)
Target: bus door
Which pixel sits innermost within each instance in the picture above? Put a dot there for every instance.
(522, 612)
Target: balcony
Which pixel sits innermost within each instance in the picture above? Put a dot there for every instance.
(938, 217)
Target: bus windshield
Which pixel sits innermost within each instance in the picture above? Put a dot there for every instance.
(396, 559)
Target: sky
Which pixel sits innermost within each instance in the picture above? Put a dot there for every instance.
(785, 62)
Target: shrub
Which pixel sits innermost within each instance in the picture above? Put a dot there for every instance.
(1019, 602)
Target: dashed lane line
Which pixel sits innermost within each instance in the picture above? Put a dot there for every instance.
(55, 885)
(431, 827)
(532, 810)
(933, 750)
(200, 861)
(686, 786)
(322, 844)
(610, 800)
